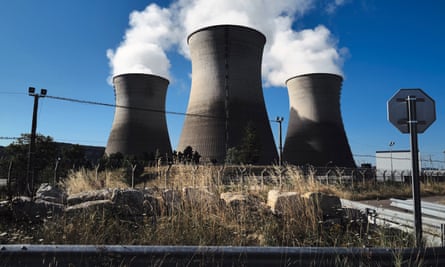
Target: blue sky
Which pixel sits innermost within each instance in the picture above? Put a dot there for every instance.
(62, 46)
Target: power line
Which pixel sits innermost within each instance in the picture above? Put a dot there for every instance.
(132, 108)
(8, 138)
(11, 93)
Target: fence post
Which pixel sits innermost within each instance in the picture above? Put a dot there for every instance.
(442, 234)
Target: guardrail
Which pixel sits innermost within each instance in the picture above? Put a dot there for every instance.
(433, 218)
(89, 255)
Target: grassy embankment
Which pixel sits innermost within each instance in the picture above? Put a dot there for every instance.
(209, 222)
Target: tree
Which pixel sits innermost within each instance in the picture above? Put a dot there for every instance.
(250, 151)
(114, 161)
(196, 156)
(44, 159)
(188, 154)
(233, 156)
(74, 156)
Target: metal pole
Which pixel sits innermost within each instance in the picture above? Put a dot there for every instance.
(390, 149)
(281, 141)
(412, 124)
(56, 179)
(32, 147)
(30, 173)
(9, 181)
(443, 160)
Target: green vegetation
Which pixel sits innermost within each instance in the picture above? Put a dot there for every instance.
(249, 151)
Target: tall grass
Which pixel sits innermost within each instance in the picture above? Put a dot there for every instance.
(209, 222)
(86, 180)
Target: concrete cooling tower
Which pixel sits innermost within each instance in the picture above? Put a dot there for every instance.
(315, 133)
(142, 128)
(226, 92)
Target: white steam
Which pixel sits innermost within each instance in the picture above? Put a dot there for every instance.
(144, 47)
(293, 53)
(287, 53)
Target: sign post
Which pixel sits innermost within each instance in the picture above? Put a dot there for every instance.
(412, 111)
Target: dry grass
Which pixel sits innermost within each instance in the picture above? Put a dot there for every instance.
(88, 180)
(210, 222)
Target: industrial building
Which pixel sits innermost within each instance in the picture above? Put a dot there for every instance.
(226, 93)
(315, 133)
(139, 126)
(394, 165)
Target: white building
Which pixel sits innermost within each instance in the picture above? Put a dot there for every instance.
(394, 165)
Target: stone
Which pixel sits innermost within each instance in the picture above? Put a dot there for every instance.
(151, 205)
(172, 200)
(240, 200)
(198, 195)
(78, 198)
(52, 208)
(5, 209)
(90, 206)
(282, 202)
(129, 202)
(51, 193)
(234, 199)
(328, 206)
(24, 208)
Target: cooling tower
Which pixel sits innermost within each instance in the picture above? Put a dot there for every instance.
(226, 93)
(315, 133)
(142, 128)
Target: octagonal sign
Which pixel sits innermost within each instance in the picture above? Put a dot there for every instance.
(398, 109)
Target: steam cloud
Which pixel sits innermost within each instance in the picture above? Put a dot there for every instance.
(156, 31)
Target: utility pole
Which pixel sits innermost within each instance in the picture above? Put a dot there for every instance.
(30, 174)
(443, 160)
(391, 144)
(280, 145)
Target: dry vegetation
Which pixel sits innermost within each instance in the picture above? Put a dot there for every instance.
(212, 223)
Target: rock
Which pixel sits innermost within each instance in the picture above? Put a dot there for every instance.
(234, 198)
(200, 199)
(78, 198)
(50, 193)
(172, 200)
(129, 202)
(282, 202)
(240, 200)
(24, 208)
(327, 206)
(5, 209)
(355, 217)
(199, 195)
(151, 205)
(90, 206)
(52, 208)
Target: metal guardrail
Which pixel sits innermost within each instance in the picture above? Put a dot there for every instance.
(433, 227)
(90, 255)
